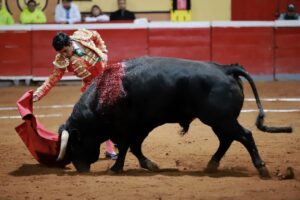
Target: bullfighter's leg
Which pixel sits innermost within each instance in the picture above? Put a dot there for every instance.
(119, 164)
(136, 149)
(110, 152)
(244, 136)
(225, 142)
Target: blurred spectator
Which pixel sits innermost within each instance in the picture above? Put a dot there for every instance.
(122, 13)
(67, 13)
(5, 16)
(31, 14)
(290, 13)
(96, 15)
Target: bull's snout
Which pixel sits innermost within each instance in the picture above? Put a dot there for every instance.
(81, 166)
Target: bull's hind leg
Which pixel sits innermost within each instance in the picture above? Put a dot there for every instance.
(225, 142)
(136, 149)
(227, 131)
(244, 136)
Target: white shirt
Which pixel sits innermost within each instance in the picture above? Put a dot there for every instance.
(79, 48)
(61, 14)
(102, 18)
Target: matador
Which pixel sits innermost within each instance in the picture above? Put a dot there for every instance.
(85, 55)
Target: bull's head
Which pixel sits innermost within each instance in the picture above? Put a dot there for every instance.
(81, 149)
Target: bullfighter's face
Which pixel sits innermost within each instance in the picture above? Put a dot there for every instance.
(67, 51)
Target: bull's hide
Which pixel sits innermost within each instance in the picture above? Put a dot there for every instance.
(110, 84)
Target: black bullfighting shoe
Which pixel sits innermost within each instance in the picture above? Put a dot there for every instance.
(112, 156)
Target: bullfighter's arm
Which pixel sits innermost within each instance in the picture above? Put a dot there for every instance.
(60, 66)
(48, 84)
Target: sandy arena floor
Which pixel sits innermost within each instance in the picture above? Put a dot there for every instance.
(182, 159)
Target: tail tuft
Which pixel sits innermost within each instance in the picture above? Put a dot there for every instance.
(239, 71)
(260, 125)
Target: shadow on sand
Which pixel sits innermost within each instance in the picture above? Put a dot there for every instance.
(37, 169)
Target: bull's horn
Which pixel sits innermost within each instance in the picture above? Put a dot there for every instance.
(63, 145)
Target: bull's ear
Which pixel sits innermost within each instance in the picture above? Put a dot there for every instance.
(61, 129)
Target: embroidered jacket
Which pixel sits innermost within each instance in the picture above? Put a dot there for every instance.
(87, 62)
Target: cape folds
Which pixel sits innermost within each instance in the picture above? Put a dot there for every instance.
(42, 144)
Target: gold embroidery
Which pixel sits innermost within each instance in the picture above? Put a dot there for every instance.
(84, 36)
(101, 44)
(50, 82)
(61, 62)
(90, 56)
(79, 67)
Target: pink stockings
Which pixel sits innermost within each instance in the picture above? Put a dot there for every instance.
(110, 147)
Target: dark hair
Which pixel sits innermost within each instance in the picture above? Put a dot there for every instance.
(60, 41)
(95, 6)
(291, 8)
(31, 1)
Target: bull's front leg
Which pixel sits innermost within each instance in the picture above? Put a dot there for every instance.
(136, 149)
(119, 164)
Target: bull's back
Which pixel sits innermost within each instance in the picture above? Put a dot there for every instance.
(169, 89)
(148, 70)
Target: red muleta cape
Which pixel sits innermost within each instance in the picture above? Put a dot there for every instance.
(43, 145)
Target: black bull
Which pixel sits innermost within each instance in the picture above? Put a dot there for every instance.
(159, 91)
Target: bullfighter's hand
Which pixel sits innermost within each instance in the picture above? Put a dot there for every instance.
(35, 98)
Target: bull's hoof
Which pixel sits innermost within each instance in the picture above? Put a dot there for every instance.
(212, 166)
(81, 167)
(148, 164)
(264, 173)
(115, 169)
(113, 172)
(83, 170)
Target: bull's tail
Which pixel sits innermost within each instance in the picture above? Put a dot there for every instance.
(240, 71)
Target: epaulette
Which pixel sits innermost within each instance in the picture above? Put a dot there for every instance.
(82, 34)
(61, 62)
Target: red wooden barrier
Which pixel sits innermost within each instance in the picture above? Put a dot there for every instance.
(15, 56)
(125, 43)
(182, 42)
(262, 10)
(43, 52)
(259, 46)
(251, 47)
(287, 50)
